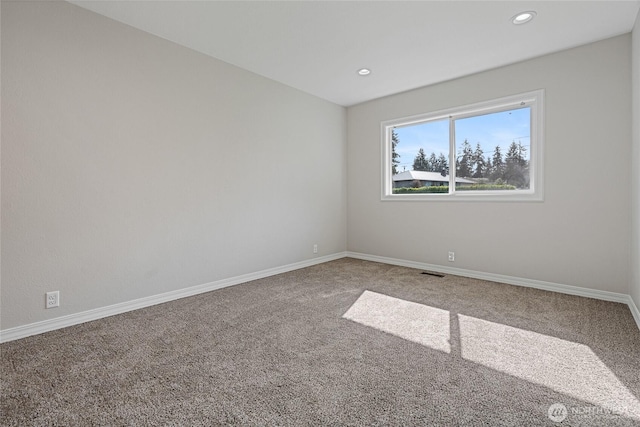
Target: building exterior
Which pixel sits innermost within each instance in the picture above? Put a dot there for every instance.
(427, 179)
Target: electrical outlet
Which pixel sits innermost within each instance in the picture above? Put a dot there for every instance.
(315, 249)
(53, 299)
(452, 256)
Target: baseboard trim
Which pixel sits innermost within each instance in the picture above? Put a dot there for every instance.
(634, 310)
(24, 331)
(518, 281)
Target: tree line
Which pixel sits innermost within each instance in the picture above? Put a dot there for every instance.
(511, 168)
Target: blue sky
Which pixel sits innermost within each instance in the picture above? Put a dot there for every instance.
(489, 130)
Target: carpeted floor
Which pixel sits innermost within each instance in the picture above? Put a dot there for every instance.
(347, 342)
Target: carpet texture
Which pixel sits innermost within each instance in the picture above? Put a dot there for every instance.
(347, 342)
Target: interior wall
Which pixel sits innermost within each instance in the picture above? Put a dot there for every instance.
(635, 167)
(579, 235)
(132, 166)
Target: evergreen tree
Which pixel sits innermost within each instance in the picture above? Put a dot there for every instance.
(468, 154)
(395, 157)
(433, 163)
(464, 165)
(443, 165)
(516, 166)
(497, 165)
(480, 165)
(524, 164)
(522, 158)
(420, 162)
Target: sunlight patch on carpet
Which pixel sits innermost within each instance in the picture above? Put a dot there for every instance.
(415, 322)
(560, 365)
(563, 366)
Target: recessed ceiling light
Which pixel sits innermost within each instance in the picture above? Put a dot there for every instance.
(523, 17)
(364, 71)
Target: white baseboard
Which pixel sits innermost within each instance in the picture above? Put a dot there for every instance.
(99, 313)
(518, 281)
(634, 310)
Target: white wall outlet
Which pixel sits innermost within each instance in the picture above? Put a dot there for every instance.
(53, 299)
(315, 249)
(452, 256)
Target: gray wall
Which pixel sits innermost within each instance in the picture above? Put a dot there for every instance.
(579, 235)
(635, 184)
(132, 166)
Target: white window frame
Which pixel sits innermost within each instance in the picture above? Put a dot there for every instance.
(534, 100)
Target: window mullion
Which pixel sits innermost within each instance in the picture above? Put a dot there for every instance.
(452, 155)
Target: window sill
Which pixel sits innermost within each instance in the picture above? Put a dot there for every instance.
(523, 196)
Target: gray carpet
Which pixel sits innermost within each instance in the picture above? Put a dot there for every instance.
(347, 342)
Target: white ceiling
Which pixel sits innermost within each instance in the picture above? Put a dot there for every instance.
(317, 46)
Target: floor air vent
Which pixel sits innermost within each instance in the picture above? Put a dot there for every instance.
(431, 273)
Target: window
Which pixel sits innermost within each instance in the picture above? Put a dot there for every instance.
(486, 151)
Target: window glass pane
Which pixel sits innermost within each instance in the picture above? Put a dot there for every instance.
(492, 151)
(420, 158)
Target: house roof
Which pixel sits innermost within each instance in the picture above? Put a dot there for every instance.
(427, 176)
